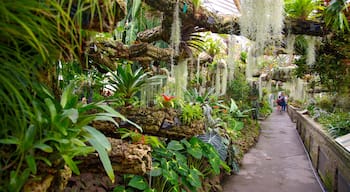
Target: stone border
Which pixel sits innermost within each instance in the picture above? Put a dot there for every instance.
(330, 160)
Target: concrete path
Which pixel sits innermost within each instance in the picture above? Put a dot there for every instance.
(278, 162)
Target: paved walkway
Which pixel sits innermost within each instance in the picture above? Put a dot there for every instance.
(278, 162)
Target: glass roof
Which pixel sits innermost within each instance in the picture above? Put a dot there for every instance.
(221, 7)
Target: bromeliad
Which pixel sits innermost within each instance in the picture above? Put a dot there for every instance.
(167, 100)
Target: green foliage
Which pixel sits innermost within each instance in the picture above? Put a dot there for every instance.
(137, 137)
(265, 108)
(243, 57)
(337, 124)
(135, 21)
(176, 167)
(194, 96)
(325, 103)
(335, 18)
(34, 35)
(264, 105)
(193, 41)
(234, 110)
(134, 183)
(302, 9)
(212, 46)
(214, 139)
(239, 91)
(329, 66)
(126, 83)
(234, 128)
(196, 4)
(191, 112)
(302, 68)
(58, 131)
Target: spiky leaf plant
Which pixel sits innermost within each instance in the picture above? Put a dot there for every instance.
(34, 35)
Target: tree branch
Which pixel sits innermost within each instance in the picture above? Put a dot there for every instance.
(202, 18)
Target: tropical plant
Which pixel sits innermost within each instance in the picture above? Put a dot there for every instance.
(190, 112)
(302, 9)
(34, 35)
(335, 18)
(239, 91)
(58, 132)
(167, 101)
(212, 46)
(134, 183)
(234, 110)
(337, 124)
(265, 108)
(214, 139)
(126, 83)
(175, 168)
(193, 95)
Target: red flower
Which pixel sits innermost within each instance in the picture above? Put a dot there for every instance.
(167, 98)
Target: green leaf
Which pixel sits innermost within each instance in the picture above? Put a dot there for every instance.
(31, 163)
(103, 156)
(186, 143)
(29, 138)
(182, 169)
(10, 141)
(138, 182)
(106, 118)
(136, 5)
(150, 190)
(225, 166)
(119, 189)
(17, 181)
(66, 95)
(78, 142)
(195, 152)
(171, 176)
(46, 160)
(71, 164)
(72, 114)
(180, 158)
(114, 113)
(215, 164)
(97, 136)
(175, 145)
(156, 171)
(110, 110)
(52, 109)
(44, 147)
(63, 141)
(214, 139)
(194, 178)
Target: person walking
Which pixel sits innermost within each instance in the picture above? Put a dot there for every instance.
(281, 103)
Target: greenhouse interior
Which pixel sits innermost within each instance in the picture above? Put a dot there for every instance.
(175, 95)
